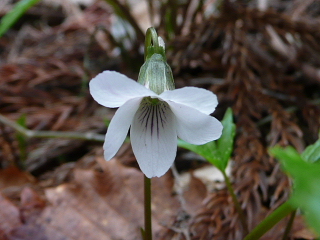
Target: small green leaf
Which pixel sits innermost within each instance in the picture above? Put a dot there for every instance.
(217, 152)
(306, 191)
(208, 151)
(225, 142)
(312, 152)
(11, 17)
(22, 141)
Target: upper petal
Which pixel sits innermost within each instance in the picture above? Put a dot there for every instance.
(112, 89)
(154, 138)
(198, 98)
(119, 126)
(194, 126)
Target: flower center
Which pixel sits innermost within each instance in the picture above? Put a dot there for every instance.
(152, 101)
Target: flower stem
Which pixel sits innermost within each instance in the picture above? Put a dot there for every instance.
(270, 221)
(147, 209)
(236, 203)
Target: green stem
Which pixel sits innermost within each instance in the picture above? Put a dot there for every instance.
(270, 221)
(236, 203)
(147, 209)
(151, 40)
(90, 136)
(289, 225)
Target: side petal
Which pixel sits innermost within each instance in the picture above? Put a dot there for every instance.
(194, 126)
(198, 98)
(119, 126)
(112, 89)
(154, 138)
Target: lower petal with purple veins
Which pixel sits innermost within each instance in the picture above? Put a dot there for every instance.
(154, 137)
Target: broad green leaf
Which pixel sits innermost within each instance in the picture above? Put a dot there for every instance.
(312, 152)
(217, 152)
(306, 191)
(11, 17)
(287, 156)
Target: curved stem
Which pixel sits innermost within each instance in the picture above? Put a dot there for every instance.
(236, 203)
(147, 209)
(151, 40)
(270, 221)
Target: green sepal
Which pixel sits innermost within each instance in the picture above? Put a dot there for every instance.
(156, 74)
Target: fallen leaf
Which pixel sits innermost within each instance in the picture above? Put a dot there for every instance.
(96, 205)
(9, 216)
(13, 176)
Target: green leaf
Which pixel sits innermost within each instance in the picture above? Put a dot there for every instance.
(22, 141)
(287, 156)
(217, 152)
(306, 191)
(225, 142)
(11, 17)
(312, 152)
(208, 151)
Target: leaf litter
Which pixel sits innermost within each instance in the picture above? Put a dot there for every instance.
(262, 63)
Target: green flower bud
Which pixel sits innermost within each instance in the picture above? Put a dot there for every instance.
(156, 74)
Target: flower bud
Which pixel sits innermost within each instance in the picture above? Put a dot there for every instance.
(156, 74)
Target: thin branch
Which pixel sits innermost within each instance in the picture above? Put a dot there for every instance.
(289, 225)
(268, 118)
(179, 187)
(89, 136)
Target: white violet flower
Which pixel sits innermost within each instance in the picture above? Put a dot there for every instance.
(155, 120)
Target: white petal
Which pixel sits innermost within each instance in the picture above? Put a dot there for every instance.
(198, 98)
(154, 138)
(195, 127)
(119, 126)
(112, 89)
